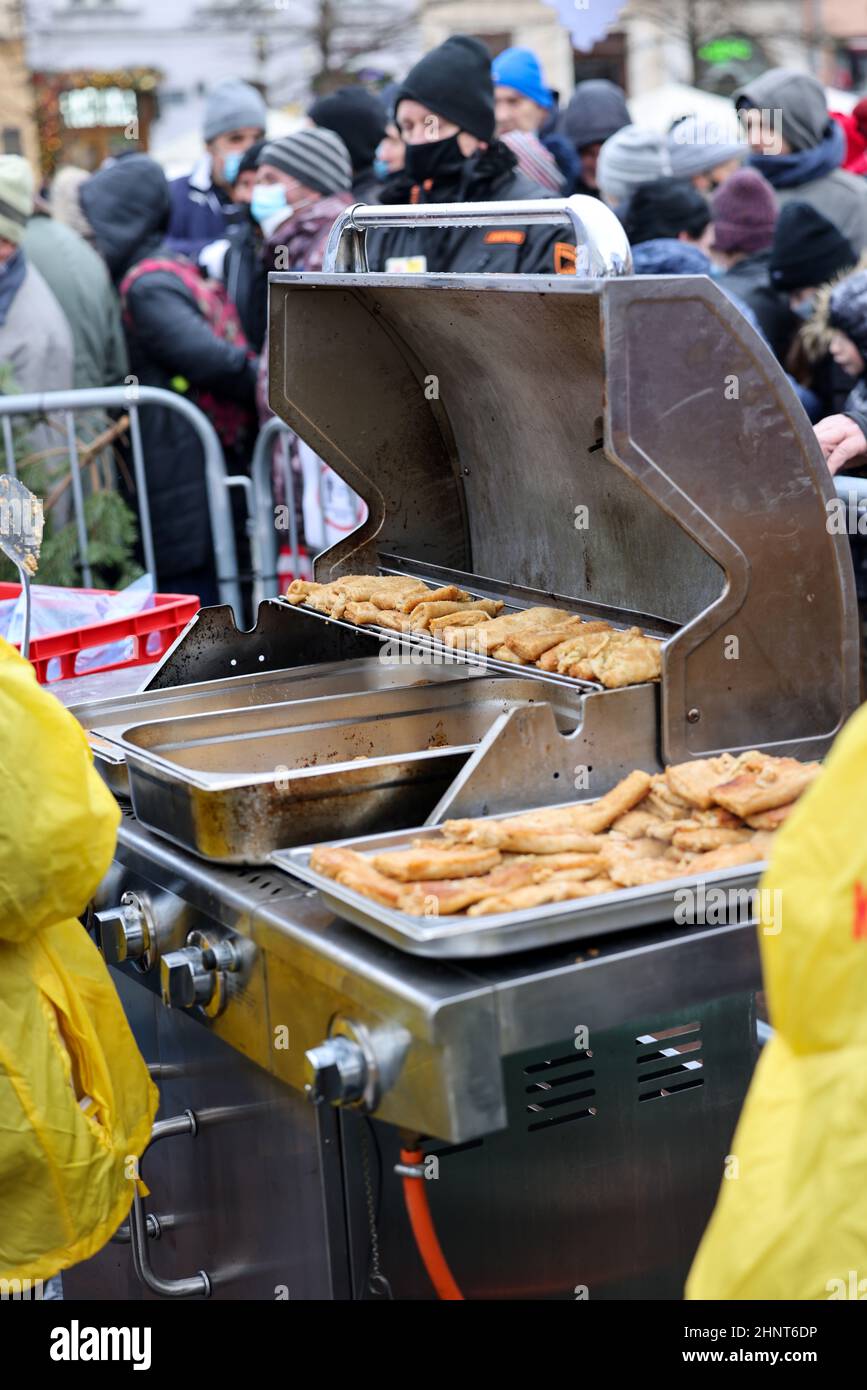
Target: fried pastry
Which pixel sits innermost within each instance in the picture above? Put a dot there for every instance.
(436, 862)
(467, 617)
(444, 897)
(707, 837)
(534, 895)
(531, 643)
(447, 593)
(422, 613)
(694, 781)
(775, 784)
(354, 871)
(771, 820)
(633, 825)
(625, 658)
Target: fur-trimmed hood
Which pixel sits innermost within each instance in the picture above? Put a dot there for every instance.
(815, 336)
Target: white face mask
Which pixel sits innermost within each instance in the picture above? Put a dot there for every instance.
(268, 200)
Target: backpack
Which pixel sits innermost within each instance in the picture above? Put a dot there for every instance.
(232, 421)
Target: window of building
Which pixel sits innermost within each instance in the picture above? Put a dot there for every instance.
(607, 59)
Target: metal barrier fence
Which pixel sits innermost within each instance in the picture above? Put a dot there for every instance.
(130, 399)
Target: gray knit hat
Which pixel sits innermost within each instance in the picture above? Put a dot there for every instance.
(317, 158)
(630, 158)
(696, 146)
(231, 105)
(16, 196)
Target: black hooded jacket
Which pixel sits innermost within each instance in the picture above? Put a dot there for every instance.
(127, 204)
(489, 176)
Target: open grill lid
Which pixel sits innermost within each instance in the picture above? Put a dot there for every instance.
(629, 442)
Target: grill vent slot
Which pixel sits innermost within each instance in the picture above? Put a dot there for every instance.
(559, 1090)
(669, 1061)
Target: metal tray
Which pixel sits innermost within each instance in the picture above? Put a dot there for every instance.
(236, 785)
(504, 932)
(105, 720)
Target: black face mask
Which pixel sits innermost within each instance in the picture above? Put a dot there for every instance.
(438, 160)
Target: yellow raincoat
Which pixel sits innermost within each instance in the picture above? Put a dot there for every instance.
(791, 1220)
(76, 1101)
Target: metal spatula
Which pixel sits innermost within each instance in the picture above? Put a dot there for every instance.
(21, 525)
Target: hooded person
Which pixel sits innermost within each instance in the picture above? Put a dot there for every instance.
(744, 214)
(841, 311)
(704, 152)
(800, 155)
(666, 210)
(808, 256)
(445, 112)
(630, 158)
(523, 102)
(183, 335)
(76, 1102)
(202, 207)
(359, 118)
(597, 110)
(36, 344)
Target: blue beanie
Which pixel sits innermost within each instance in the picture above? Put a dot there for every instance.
(521, 69)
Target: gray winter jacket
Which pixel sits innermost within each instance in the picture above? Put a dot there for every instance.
(36, 341)
(79, 279)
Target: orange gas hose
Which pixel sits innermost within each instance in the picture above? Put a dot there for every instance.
(418, 1211)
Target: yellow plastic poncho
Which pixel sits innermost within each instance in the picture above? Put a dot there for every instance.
(791, 1220)
(76, 1101)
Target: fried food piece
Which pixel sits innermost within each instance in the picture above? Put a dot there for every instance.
(394, 600)
(564, 862)
(467, 617)
(596, 816)
(635, 873)
(535, 895)
(435, 862)
(507, 625)
(779, 782)
(532, 642)
(395, 622)
(771, 820)
(505, 653)
(662, 801)
(633, 825)
(422, 613)
(617, 851)
(447, 593)
(577, 642)
(300, 590)
(664, 831)
(357, 611)
(693, 781)
(625, 658)
(537, 832)
(354, 871)
(730, 856)
(705, 838)
(444, 897)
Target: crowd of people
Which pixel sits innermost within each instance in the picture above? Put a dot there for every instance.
(121, 274)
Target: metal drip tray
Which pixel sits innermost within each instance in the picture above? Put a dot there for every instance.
(236, 785)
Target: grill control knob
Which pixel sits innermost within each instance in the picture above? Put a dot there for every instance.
(336, 1072)
(196, 974)
(125, 932)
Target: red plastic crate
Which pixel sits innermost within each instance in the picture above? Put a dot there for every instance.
(155, 629)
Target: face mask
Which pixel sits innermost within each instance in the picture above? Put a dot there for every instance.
(380, 168)
(231, 165)
(805, 309)
(268, 199)
(439, 160)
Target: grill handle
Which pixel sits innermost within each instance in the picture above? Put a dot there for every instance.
(597, 231)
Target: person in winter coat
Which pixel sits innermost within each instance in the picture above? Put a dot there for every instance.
(201, 203)
(744, 214)
(303, 183)
(36, 347)
(76, 1102)
(79, 280)
(704, 153)
(854, 127)
(184, 336)
(802, 159)
(844, 436)
(597, 110)
(629, 159)
(523, 102)
(664, 210)
(807, 256)
(360, 118)
(241, 271)
(445, 111)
